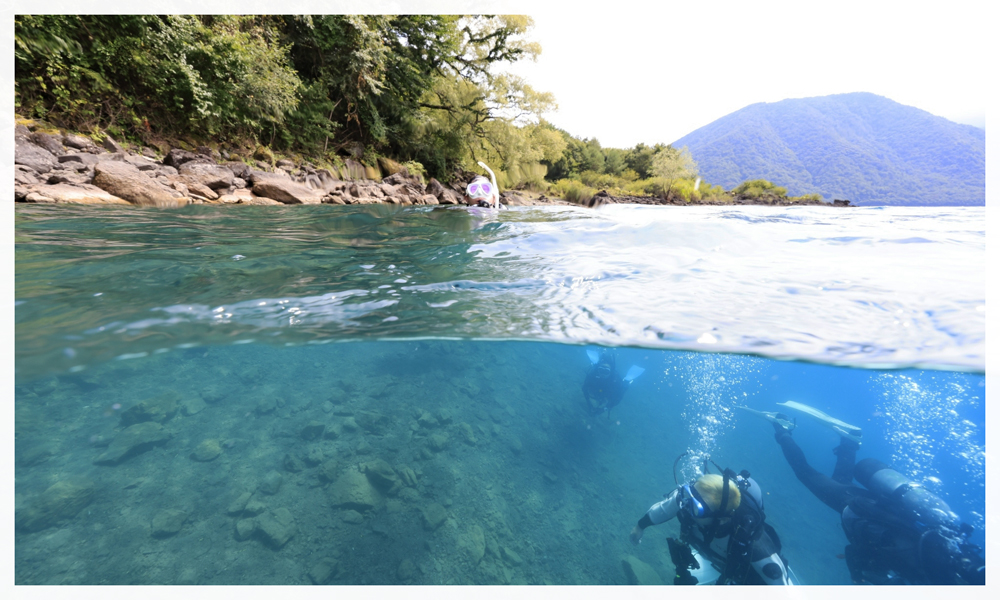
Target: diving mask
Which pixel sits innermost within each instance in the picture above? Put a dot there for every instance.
(692, 502)
(479, 188)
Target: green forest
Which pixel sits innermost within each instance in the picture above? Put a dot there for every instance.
(427, 91)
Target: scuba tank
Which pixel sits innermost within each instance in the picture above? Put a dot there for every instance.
(924, 508)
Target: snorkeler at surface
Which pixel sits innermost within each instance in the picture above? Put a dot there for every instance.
(482, 192)
(603, 388)
(898, 531)
(732, 545)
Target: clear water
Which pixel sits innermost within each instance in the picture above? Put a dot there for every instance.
(459, 355)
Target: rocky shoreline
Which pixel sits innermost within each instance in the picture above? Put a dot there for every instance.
(57, 167)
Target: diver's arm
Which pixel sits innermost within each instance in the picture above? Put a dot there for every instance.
(661, 512)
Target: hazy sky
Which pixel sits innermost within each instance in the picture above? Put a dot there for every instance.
(628, 72)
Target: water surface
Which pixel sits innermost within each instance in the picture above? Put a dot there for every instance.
(392, 329)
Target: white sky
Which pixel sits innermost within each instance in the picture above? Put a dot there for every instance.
(630, 72)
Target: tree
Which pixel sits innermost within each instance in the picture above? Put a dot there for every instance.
(672, 164)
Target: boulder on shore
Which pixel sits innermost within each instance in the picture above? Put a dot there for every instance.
(285, 191)
(39, 159)
(128, 182)
(77, 193)
(216, 177)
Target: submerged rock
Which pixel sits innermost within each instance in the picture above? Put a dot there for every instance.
(352, 516)
(328, 471)
(437, 441)
(192, 405)
(639, 573)
(245, 528)
(323, 571)
(168, 522)
(406, 571)
(276, 527)
(467, 435)
(353, 490)
(159, 409)
(292, 463)
(236, 506)
(134, 440)
(254, 507)
(61, 501)
(434, 515)
(271, 483)
(370, 421)
(266, 405)
(312, 430)
(314, 455)
(206, 451)
(426, 419)
(408, 476)
(380, 474)
(473, 544)
(512, 557)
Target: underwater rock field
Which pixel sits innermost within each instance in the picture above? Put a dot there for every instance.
(401, 463)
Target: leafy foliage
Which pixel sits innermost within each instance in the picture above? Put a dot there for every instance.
(421, 88)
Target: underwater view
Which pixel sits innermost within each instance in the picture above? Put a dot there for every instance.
(427, 395)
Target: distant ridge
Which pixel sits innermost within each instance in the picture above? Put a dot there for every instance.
(861, 147)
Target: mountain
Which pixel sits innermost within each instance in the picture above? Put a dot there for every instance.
(860, 147)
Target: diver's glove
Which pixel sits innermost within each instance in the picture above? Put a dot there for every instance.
(635, 536)
(782, 426)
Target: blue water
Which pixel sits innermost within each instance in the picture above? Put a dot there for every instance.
(451, 345)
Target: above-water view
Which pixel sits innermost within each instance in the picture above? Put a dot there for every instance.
(448, 395)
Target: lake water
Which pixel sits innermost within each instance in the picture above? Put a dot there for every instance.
(271, 355)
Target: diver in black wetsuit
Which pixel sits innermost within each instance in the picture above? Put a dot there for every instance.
(603, 388)
(898, 531)
(732, 545)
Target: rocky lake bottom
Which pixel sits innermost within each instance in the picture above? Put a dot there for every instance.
(248, 466)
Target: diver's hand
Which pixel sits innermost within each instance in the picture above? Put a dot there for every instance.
(635, 536)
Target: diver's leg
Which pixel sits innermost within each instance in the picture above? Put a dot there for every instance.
(843, 472)
(830, 492)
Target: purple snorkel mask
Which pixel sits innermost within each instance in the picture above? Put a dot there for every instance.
(480, 188)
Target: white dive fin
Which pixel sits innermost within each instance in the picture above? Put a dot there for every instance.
(706, 574)
(770, 416)
(633, 372)
(593, 355)
(844, 429)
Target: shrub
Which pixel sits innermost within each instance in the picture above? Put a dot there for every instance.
(572, 190)
(758, 188)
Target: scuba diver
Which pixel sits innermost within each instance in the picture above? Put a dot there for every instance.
(724, 537)
(898, 531)
(482, 192)
(603, 389)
